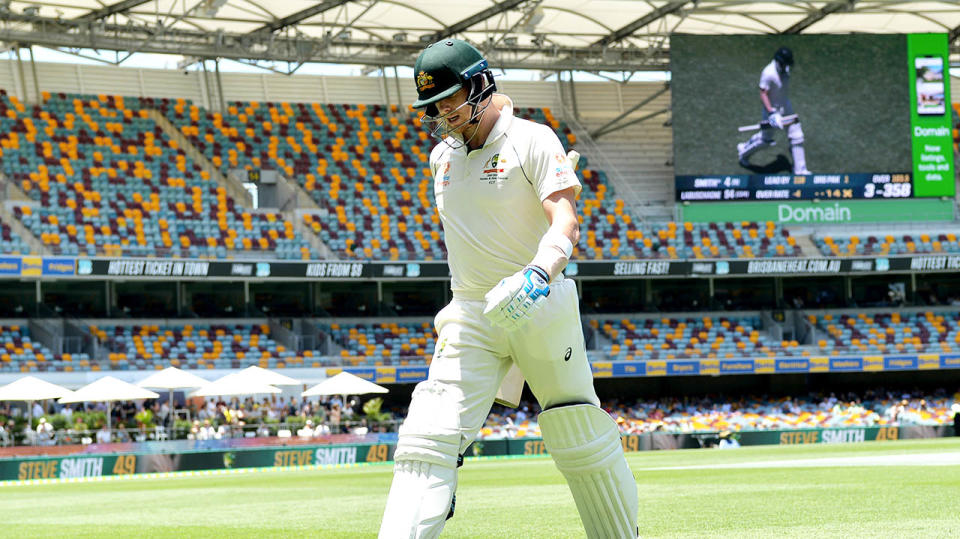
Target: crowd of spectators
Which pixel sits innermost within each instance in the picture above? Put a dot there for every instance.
(717, 413)
(273, 415)
(276, 415)
(208, 419)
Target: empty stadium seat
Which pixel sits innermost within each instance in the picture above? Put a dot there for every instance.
(682, 338)
(19, 353)
(110, 182)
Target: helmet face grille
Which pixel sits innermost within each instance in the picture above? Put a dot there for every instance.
(443, 69)
(480, 87)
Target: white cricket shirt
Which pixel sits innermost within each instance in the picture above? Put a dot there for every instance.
(777, 87)
(490, 200)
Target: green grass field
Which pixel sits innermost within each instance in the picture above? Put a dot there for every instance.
(689, 493)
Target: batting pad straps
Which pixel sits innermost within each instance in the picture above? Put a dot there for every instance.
(431, 431)
(585, 445)
(553, 252)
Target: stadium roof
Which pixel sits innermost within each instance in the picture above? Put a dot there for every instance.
(607, 35)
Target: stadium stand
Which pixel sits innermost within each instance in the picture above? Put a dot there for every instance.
(109, 182)
(681, 338)
(887, 333)
(386, 343)
(10, 242)
(366, 169)
(18, 353)
(894, 243)
(716, 413)
(192, 346)
(379, 342)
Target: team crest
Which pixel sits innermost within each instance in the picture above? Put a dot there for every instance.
(424, 81)
(493, 169)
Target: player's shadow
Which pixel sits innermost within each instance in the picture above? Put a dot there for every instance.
(780, 164)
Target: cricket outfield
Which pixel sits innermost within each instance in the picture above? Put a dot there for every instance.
(890, 489)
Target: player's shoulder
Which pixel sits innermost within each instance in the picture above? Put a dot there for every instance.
(438, 151)
(770, 70)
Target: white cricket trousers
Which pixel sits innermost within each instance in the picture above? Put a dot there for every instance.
(473, 356)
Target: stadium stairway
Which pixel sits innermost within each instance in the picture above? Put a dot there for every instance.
(638, 159)
(804, 242)
(13, 196)
(234, 186)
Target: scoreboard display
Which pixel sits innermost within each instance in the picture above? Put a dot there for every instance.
(863, 117)
(791, 187)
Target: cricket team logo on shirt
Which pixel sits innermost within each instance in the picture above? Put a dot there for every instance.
(493, 169)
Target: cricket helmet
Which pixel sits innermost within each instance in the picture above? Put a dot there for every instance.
(448, 65)
(784, 58)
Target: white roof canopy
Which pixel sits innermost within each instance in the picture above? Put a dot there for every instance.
(595, 34)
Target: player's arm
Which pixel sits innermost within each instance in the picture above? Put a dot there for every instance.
(561, 211)
(765, 99)
(512, 302)
(774, 118)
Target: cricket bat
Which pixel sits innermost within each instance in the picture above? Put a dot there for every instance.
(789, 119)
(511, 388)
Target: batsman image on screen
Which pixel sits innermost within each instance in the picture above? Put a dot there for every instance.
(778, 114)
(747, 107)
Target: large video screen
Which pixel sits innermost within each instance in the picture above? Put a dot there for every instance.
(811, 117)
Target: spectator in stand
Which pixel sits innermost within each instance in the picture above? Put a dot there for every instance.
(292, 408)
(44, 432)
(206, 431)
(163, 413)
(322, 430)
(306, 431)
(104, 435)
(335, 418)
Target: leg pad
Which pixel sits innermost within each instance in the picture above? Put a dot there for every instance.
(585, 445)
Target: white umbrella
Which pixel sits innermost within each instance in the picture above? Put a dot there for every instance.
(266, 376)
(109, 389)
(29, 389)
(234, 384)
(344, 383)
(172, 378)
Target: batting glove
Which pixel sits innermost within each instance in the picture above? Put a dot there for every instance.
(513, 301)
(775, 119)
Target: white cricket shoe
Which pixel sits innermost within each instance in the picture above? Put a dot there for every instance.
(802, 172)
